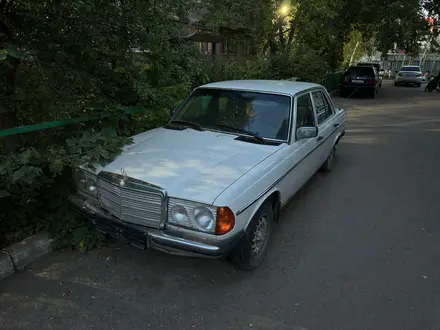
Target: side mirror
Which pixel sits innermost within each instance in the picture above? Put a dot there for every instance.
(306, 132)
(381, 70)
(172, 112)
(396, 71)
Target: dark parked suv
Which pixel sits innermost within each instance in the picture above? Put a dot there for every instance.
(363, 79)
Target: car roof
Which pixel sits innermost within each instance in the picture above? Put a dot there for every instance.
(362, 67)
(268, 86)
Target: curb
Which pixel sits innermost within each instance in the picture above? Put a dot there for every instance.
(19, 255)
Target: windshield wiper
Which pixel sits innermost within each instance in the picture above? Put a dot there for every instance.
(257, 138)
(184, 123)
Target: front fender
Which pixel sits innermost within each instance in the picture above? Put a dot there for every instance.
(249, 211)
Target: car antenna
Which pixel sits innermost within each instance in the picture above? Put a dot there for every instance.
(349, 96)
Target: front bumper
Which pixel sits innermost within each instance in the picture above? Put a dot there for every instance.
(171, 240)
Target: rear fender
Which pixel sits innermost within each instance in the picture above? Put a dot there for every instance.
(338, 137)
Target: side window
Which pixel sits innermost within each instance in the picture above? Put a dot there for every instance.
(304, 111)
(322, 106)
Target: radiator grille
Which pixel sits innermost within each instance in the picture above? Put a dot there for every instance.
(134, 202)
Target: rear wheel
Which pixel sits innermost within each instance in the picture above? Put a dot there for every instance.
(253, 247)
(342, 92)
(373, 93)
(418, 85)
(328, 165)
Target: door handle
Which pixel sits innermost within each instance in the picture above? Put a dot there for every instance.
(320, 138)
(335, 124)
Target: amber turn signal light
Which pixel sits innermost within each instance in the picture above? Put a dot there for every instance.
(225, 221)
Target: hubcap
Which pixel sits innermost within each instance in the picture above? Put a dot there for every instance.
(260, 235)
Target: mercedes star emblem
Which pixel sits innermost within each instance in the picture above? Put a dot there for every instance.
(124, 178)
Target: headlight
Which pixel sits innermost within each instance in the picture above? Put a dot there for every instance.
(179, 214)
(204, 218)
(192, 215)
(85, 181)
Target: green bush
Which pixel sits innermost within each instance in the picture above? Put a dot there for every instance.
(309, 66)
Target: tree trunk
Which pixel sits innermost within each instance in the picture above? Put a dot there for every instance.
(352, 54)
(293, 25)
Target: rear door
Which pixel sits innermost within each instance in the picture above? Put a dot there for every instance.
(325, 120)
(306, 153)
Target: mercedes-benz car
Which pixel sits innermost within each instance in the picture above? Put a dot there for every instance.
(212, 181)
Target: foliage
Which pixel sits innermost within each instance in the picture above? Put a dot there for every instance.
(73, 231)
(240, 17)
(354, 48)
(432, 7)
(326, 26)
(70, 59)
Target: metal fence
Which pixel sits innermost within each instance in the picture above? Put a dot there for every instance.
(429, 62)
(61, 123)
(330, 82)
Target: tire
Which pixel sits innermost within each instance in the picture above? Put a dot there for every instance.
(342, 92)
(396, 84)
(246, 256)
(418, 85)
(328, 164)
(373, 94)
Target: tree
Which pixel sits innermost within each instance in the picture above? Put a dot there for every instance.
(69, 59)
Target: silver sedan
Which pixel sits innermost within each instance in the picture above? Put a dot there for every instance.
(409, 75)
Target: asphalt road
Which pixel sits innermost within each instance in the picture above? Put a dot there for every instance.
(358, 248)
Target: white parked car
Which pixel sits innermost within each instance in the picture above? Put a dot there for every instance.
(410, 74)
(213, 180)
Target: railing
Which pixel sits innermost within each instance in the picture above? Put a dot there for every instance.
(330, 82)
(60, 123)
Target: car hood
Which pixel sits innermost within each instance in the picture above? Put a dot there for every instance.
(189, 164)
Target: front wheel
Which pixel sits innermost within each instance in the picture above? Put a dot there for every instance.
(418, 85)
(253, 247)
(396, 84)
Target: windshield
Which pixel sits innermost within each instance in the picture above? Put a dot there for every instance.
(410, 68)
(264, 115)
